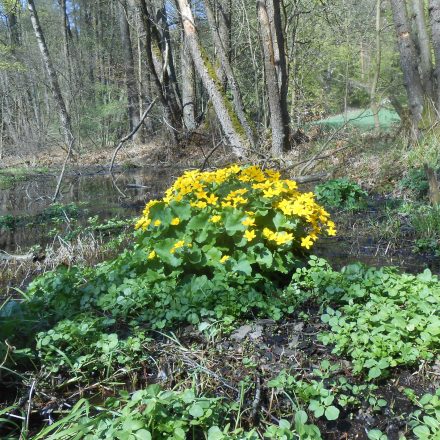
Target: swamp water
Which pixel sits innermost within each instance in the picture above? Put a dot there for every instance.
(93, 192)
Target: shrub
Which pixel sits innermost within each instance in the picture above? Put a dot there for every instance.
(243, 220)
(341, 194)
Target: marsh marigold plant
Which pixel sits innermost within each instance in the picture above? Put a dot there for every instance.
(241, 219)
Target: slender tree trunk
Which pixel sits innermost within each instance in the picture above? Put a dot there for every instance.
(223, 10)
(188, 86)
(434, 12)
(225, 115)
(53, 79)
(172, 119)
(130, 72)
(408, 61)
(167, 48)
(424, 47)
(278, 118)
(66, 31)
(373, 90)
(230, 77)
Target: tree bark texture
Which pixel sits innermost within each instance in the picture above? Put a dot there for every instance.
(278, 115)
(408, 61)
(188, 86)
(225, 115)
(423, 44)
(230, 77)
(434, 13)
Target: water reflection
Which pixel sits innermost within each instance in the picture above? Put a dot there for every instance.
(95, 189)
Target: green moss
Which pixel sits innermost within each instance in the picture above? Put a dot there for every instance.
(212, 71)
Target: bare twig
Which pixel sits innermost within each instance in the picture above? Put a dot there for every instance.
(257, 398)
(211, 153)
(131, 134)
(28, 414)
(63, 169)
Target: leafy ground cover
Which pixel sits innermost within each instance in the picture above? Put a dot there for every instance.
(216, 323)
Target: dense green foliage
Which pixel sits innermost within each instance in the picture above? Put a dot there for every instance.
(341, 194)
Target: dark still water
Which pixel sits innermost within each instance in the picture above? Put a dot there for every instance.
(92, 190)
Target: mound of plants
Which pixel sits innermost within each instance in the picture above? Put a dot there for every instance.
(341, 194)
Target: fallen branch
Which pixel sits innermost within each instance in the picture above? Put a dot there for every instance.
(310, 178)
(131, 134)
(4, 256)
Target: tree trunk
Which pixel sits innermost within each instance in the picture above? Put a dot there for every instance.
(434, 190)
(374, 104)
(130, 72)
(408, 61)
(188, 86)
(434, 13)
(278, 118)
(225, 115)
(171, 117)
(223, 9)
(423, 46)
(230, 77)
(53, 79)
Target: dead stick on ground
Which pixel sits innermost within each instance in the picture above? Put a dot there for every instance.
(28, 415)
(60, 178)
(131, 134)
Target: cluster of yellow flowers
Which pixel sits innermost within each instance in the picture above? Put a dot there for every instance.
(247, 189)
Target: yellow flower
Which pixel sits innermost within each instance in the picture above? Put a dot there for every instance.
(212, 199)
(307, 242)
(179, 244)
(215, 218)
(157, 223)
(175, 221)
(151, 255)
(200, 204)
(248, 221)
(249, 235)
(224, 259)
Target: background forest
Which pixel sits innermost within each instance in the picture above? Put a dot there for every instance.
(112, 58)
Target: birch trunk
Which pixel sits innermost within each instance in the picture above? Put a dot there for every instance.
(53, 79)
(188, 86)
(130, 72)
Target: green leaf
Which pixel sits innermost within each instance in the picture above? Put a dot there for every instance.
(196, 411)
(233, 221)
(243, 267)
(214, 433)
(422, 432)
(332, 413)
(143, 434)
(374, 373)
(198, 222)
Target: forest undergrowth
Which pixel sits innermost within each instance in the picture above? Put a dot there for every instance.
(215, 321)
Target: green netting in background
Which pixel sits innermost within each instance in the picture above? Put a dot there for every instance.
(361, 119)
